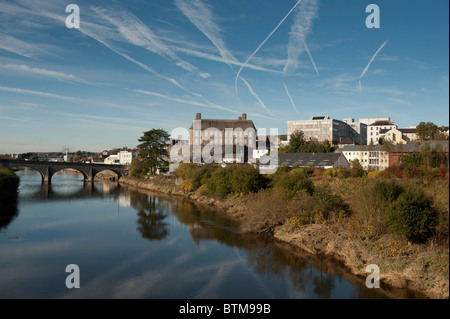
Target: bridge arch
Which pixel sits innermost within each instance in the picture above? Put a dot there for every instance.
(85, 176)
(21, 166)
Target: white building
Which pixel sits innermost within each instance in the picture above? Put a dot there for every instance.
(321, 128)
(112, 159)
(125, 157)
(373, 130)
(371, 158)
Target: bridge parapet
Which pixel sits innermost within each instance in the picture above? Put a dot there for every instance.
(48, 169)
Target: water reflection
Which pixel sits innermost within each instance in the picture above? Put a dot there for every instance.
(155, 246)
(151, 216)
(8, 210)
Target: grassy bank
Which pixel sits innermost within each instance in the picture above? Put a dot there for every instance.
(400, 224)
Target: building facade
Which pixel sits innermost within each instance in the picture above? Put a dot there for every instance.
(322, 128)
(228, 135)
(371, 158)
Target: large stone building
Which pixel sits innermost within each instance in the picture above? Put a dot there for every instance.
(321, 128)
(222, 134)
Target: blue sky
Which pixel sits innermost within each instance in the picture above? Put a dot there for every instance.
(137, 65)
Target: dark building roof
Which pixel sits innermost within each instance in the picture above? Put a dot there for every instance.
(403, 130)
(380, 123)
(347, 141)
(311, 159)
(221, 125)
(418, 146)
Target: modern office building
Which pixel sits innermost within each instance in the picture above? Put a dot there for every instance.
(321, 128)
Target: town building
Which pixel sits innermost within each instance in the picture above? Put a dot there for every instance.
(322, 128)
(374, 130)
(226, 134)
(397, 152)
(371, 158)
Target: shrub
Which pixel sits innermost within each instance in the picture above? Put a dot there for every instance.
(246, 179)
(388, 190)
(331, 172)
(9, 183)
(219, 184)
(201, 174)
(265, 210)
(326, 202)
(413, 216)
(375, 174)
(343, 173)
(356, 169)
(292, 182)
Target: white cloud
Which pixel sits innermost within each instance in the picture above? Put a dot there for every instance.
(19, 47)
(300, 30)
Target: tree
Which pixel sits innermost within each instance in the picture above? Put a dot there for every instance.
(296, 142)
(153, 151)
(427, 131)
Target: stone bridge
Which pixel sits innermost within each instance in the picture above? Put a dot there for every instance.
(48, 169)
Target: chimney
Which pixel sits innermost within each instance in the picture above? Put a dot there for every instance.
(199, 116)
(240, 118)
(244, 116)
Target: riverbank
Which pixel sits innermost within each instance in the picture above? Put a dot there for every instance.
(418, 267)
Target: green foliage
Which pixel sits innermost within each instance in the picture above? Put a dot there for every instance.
(413, 159)
(293, 181)
(153, 149)
(388, 190)
(356, 169)
(427, 130)
(413, 216)
(201, 174)
(326, 202)
(234, 180)
(219, 184)
(138, 168)
(298, 144)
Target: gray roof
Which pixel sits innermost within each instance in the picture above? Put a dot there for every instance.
(409, 147)
(417, 146)
(307, 159)
(357, 148)
(380, 123)
(224, 124)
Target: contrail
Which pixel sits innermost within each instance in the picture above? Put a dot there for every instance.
(202, 17)
(290, 98)
(311, 58)
(259, 47)
(368, 65)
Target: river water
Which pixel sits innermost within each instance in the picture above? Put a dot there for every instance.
(129, 243)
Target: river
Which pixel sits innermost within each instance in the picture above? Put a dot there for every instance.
(129, 243)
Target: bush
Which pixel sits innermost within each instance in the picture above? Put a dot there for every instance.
(219, 184)
(201, 174)
(9, 183)
(326, 203)
(413, 216)
(265, 210)
(343, 173)
(388, 190)
(292, 182)
(375, 174)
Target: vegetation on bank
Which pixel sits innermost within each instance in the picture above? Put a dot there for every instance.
(295, 197)
(9, 183)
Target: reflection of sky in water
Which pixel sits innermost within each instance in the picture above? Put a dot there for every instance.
(131, 245)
